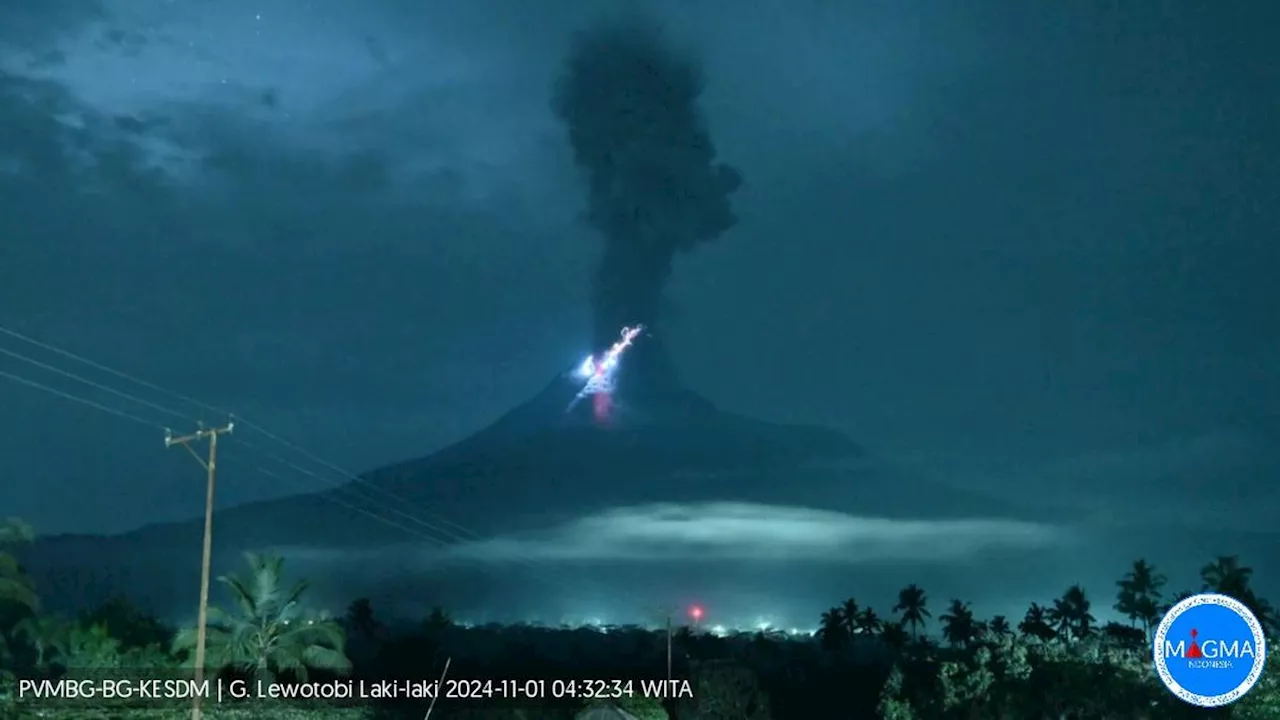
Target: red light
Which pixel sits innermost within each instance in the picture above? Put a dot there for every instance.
(695, 612)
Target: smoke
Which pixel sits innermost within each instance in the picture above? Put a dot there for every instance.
(630, 104)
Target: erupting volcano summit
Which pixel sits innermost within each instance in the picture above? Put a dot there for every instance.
(616, 432)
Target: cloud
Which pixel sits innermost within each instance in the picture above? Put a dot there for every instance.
(733, 531)
(35, 26)
(330, 264)
(154, 193)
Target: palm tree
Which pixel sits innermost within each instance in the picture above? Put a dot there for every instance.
(15, 586)
(831, 631)
(912, 604)
(849, 613)
(1070, 615)
(1059, 617)
(867, 622)
(1226, 576)
(1266, 614)
(1146, 612)
(894, 635)
(270, 632)
(1139, 595)
(958, 627)
(999, 625)
(48, 635)
(1036, 624)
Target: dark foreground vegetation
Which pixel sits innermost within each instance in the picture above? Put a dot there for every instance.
(916, 661)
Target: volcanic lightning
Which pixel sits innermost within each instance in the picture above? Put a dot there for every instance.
(599, 373)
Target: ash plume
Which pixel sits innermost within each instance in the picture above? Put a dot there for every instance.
(630, 104)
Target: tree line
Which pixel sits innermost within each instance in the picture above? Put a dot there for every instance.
(919, 662)
(1139, 597)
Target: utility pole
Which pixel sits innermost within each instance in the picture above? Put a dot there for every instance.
(668, 649)
(665, 615)
(211, 467)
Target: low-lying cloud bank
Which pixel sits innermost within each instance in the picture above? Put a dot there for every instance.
(732, 531)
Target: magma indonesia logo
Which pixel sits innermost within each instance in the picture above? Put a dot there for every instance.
(1210, 650)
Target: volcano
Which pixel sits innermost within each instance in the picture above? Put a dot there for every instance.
(543, 463)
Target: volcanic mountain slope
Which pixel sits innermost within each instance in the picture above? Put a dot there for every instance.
(546, 461)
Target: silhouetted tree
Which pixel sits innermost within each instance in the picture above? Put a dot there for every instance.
(437, 621)
(1036, 624)
(1070, 615)
(958, 625)
(360, 620)
(867, 622)
(1226, 576)
(894, 634)
(832, 633)
(912, 604)
(849, 614)
(1000, 625)
(1139, 595)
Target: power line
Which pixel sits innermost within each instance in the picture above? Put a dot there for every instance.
(324, 492)
(309, 473)
(120, 413)
(91, 383)
(135, 399)
(364, 511)
(110, 370)
(553, 579)
(363, 482)
(246, 445)
(467, 535)
(74, 398)
(556, 580)
(198, 403)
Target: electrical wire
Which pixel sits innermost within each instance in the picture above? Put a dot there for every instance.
(97, 406)
(90, 383)
(363, 482)
(460, 533)
(109, 370)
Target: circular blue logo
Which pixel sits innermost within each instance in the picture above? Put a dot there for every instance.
(1209, 650)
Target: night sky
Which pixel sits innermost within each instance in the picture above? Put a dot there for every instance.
(1029, 252)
